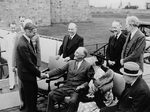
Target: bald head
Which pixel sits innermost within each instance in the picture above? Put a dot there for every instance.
(116, 27)
(80, 53)
(132, 22)
(72, 29)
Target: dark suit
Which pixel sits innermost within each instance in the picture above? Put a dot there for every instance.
(69, 46)
(133, 50)
(75, 78)
(114, 49)
(27, 72)
(133, 99)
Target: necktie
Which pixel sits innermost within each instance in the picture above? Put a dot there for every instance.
(129, 38)
(76, 65)
(32, 45)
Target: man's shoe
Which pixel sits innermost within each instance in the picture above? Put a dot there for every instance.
(12, 87)
(21, 107)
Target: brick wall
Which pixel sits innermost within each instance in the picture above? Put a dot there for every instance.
(37, 10)
(70, 10)
(44, 12)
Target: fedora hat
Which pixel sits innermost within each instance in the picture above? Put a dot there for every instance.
(131, 69)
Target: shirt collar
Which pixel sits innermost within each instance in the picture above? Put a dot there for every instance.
(79, 63)
(118, 35)
(72, 36)
(28, 39)
(133, 32)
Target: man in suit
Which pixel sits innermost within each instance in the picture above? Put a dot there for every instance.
(27, 70)
(79, 73)
(70, 43)
(136, 95)
(10, 42)
(115, 45)
(134, 46)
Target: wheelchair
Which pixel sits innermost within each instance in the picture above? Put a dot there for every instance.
(46, 85)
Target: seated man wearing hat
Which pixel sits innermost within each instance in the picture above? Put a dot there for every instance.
(136, 95)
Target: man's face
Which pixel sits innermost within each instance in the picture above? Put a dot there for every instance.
(79, 54)
(31, 33)
(128, 79)
(72, 30)
(13, 27)
(21, 20)
(128, 26)
(116, 28)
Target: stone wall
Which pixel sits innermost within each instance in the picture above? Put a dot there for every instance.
(44, 12)
(37, 10)
(70, 10)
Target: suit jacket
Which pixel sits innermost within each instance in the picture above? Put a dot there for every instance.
(114, 50)
(26, 61)
(134, 49)
(136, 98)
(75, 77)
(68, 46)
(36, 44)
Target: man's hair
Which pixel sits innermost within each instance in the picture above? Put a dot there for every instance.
(118, 21)
(29, 26)
(73, 24)
(21, 17)
(133, 20)
(12, 23)
(85, 51)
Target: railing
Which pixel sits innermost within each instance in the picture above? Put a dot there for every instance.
(97, 49)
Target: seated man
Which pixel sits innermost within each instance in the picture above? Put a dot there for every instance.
(136, 95)
(79, 73)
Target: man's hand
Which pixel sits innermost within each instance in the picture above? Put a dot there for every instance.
(57, 57)
(80, 87)
(44, 75)
(14, 69)
(121, 61)
(111, 62)
(67, 59)
(92, 88)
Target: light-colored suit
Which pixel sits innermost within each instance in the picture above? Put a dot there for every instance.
(10, 40)
(134, 49)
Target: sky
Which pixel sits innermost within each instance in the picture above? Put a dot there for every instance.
(116, 3)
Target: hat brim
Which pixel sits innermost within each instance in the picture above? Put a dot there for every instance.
(139, 73)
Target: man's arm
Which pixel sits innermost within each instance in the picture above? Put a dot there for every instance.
(58, 71)
(139, 49)
(24, 52)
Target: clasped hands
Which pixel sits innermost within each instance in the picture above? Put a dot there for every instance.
(44, 75)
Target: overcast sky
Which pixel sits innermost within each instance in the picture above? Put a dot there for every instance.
(116, 3)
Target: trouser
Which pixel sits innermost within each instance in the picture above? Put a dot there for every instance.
(59, 94)
(30, 90)
(21, 92)
(11, 74)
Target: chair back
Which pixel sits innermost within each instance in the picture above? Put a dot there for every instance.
(53, 63)
(118, 84)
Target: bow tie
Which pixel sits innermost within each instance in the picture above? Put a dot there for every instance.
(128, 85)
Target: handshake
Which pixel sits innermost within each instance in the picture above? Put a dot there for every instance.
(44, 75)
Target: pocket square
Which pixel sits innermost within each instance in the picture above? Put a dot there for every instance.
(130, 97)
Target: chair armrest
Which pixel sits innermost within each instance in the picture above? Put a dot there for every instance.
(45, 70)
(53, 78)
(58, 83)
(5, 64)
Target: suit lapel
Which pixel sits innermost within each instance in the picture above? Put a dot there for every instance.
(30, 47)
(72, 42)
(66, 41)
(131, 90)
